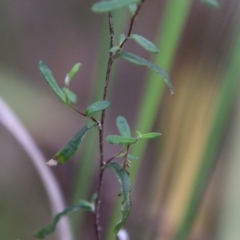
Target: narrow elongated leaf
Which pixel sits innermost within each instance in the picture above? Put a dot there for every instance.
(132, 8)
(48, 76)
(71, 147)
(151, 135)
(106, 6)
(146, 44)
(72, 73)
(125, 190)
(82, 205)
(123, 126)
(71, 96)
(74, 70)
(143, 62)
(97, 106)
(115, 139)
(212, 3)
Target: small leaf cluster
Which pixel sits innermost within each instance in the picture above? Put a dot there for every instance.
(125, 137)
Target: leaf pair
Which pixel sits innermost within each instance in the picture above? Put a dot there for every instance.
(125, 137)
(65, 94)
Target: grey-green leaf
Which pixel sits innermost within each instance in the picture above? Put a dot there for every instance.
(63, 155)
(125, 190)
(48, 76)
(132, 157)
(82, 205)
(121, 39)
(143, 62)
(97, 106)
(115, 139)
(114, 49)
(106, 6)
(123, 126)
(151, 135)
(132, 8)
(145, 43)
(212, 3)
(70, 96)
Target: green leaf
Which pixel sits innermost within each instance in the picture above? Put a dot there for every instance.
(212, 3)
(106, 6)
(72, 73)
(114, 49)
(70, 96)
(97, 106)
(143, 62)
(151, 135)
(132, 8)
(125, 190)
(146, 44)
(132, 157)
(82, 205)
(121, 39)
(123, 126)
(115, 139)
(71, 147)
(48, 76)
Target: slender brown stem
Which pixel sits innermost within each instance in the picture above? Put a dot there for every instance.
(101, 132)
(85, 115)
(130, 26)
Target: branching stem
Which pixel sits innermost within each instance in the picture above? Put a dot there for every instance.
(101, 130)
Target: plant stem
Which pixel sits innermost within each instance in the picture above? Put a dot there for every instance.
(101, 132)
(101, 129)
(131, 26)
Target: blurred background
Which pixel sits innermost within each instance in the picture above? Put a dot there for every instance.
(186, 184)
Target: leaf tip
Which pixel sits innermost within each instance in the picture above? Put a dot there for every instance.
(52, 163)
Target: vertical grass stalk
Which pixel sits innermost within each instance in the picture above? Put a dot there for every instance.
(226, 98)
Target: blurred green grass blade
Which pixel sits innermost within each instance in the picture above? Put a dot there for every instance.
(175, 16)
(229, 216)
(227, 95)
(173, 22)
